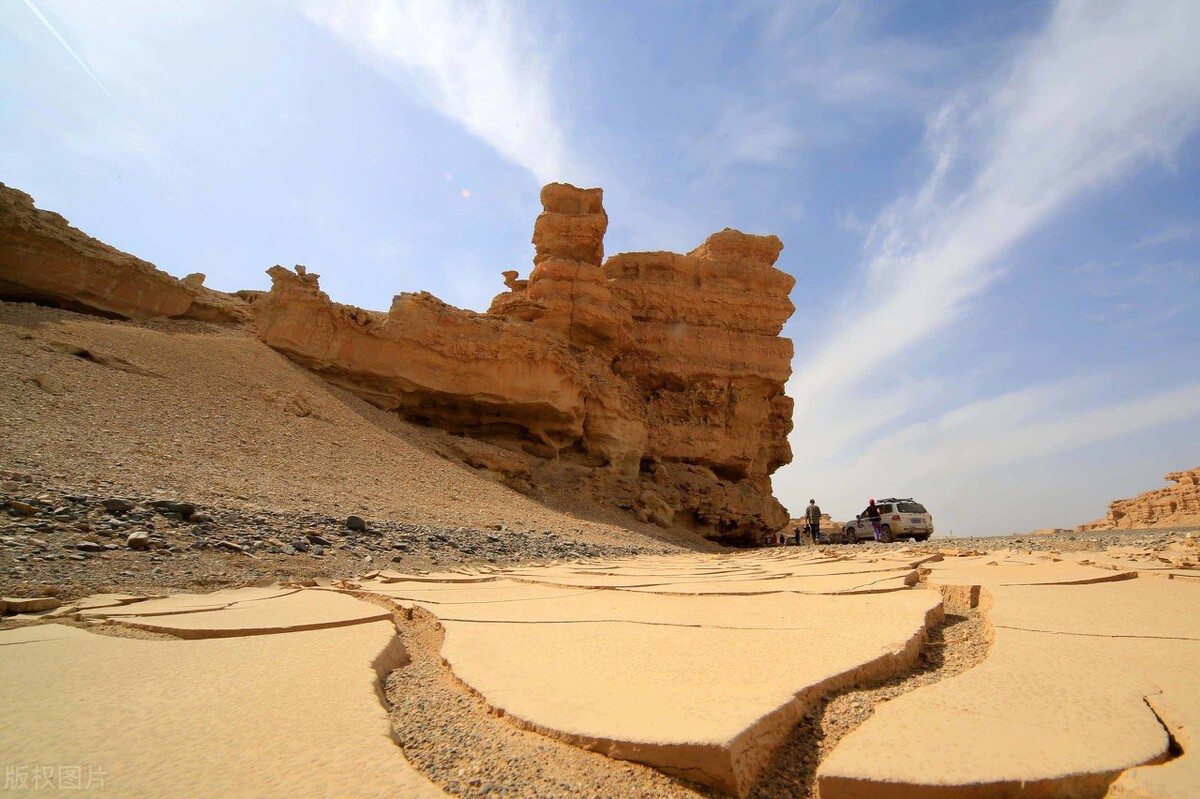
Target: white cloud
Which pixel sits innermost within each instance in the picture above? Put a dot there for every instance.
(1104, 88)
(1069, 118)
(480, 64)
(1027, 424)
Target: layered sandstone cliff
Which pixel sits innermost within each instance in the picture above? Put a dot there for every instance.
(651, 380)
(655, 379)
(1174, 506)
(45, 260)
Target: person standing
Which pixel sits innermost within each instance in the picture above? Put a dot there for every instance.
(812, 515)
(872, 514)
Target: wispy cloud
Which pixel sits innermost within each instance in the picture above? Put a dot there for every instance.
(755, 136)
(846, 60)
(1172, 234)
(820, 69)
(1023, 425)
(1067, 119)
(1102, 89)
(480, 64)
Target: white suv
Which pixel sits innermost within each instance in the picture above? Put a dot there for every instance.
(899, 518)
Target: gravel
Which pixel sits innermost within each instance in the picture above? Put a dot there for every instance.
(69, 543)
(1067, 540)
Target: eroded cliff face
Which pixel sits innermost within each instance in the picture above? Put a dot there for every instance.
(654, 379)
(45, 260)
(1174, 506)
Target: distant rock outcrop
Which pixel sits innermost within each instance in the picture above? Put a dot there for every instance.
(1174, 506)
(660, 375)
(43, 259)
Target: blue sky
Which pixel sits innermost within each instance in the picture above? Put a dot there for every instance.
(992, 209)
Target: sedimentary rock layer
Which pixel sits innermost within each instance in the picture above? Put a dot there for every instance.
(654, 380)
(43, 259)
(660, 374)
(1174, 506)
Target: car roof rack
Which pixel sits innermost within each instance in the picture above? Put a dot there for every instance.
(895, 499)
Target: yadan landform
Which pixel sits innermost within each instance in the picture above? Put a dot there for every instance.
(265, 544)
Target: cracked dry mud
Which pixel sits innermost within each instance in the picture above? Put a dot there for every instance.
(767, 674)
(957, 644)
(451, 735)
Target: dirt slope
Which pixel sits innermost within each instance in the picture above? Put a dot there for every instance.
(210, 414)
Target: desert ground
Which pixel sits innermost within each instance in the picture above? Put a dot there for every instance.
(184, 588)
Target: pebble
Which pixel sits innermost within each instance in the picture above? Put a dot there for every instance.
(356, 523)
(22, 508)
(185, 509)
(116, 505)
(90, 546)
(138, 540)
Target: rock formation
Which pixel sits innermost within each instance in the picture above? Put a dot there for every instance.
(652, 380)
(43, 259)
(656, 378)
(1174, 506)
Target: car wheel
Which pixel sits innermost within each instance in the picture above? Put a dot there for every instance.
(848, 536)
(887, 534)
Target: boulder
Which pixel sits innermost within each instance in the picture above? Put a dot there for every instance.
(117, 505)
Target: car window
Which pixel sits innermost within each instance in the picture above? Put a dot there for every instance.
(912, 507)
(885, 508)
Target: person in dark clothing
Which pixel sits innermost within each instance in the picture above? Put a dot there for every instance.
(872, 514)
(812, 515)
